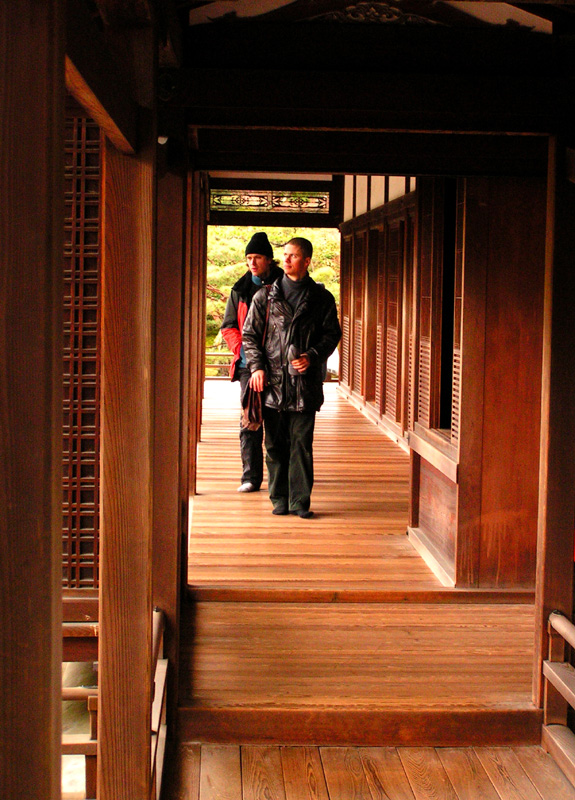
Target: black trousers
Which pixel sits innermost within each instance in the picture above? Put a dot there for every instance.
(251, 444)
(289, 457)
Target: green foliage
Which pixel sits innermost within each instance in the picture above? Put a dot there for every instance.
(227, 263)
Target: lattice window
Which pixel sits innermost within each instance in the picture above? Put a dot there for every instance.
(81, 354)
(411, 384)
(391, 374)
(424, 381)
(379, 382)
(456, 396)
(345, 327)
(357, 354)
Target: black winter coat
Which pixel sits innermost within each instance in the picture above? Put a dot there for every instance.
(313, 329)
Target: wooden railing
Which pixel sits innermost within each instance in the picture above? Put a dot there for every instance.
(559, 676)
(81, 644)
(220, 361)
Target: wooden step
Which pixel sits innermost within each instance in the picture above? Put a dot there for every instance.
(357, 673)
(418, 727)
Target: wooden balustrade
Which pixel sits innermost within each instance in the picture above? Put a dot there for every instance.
(559, 694)
(86, 743)
(222, 363)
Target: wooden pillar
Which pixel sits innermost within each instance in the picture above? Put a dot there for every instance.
(126, 476)
(196, 254)
(170, 468)
(31, 297)
(554, 589)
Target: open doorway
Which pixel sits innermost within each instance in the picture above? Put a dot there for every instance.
(226, 263)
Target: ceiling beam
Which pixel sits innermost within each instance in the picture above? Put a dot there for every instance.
(380, 153)
(365, 100)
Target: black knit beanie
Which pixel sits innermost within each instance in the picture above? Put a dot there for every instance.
(259, 244)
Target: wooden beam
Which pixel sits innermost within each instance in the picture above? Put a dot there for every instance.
(375, 152)
(126, 671)
(96, 82)
(432, 50)
(373, 100)
(554, 588)
(31, 281)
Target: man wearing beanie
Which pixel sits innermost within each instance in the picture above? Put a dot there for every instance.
(261, 270)
(288, 336)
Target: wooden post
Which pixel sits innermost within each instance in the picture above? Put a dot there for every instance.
(169, 465)
(554, 588)
(126, 475)
(31, 301)
(196, 253)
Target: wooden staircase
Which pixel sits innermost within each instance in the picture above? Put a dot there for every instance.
(333, 631)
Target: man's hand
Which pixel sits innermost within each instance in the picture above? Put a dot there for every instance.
(258, 380)
(301, 364)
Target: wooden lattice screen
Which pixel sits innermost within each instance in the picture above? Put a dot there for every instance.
(457, 313)
(81, 354)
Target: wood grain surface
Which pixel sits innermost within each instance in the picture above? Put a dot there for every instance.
(369, 774)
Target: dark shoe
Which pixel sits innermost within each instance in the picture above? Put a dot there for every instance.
(301, 512)
(280, 510)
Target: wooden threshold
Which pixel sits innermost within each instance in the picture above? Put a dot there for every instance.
(271, 593)
(345, 673)
(416, 727)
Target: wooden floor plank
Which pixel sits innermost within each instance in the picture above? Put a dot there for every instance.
(303, 771)
(185, 783)
(358, 535)
(466, 774)
(344, 774)
(385, 773)
(262, 773)
(221, 773)
(303, 774)
(506, 773)
(426, 774)
(355, 549)
(544, 773)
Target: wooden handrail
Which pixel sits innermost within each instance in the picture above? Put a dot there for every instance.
(559, 678)
(563, 626)
(160, 667)
(76, 693)
(85, 744)
(158, 627)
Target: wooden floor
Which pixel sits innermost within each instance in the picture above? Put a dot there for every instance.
(216, 772)
(356, 547)
(333, 631)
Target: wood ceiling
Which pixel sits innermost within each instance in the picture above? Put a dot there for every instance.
(322, 86)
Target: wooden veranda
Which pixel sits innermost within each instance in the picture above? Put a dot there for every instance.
(334, 629)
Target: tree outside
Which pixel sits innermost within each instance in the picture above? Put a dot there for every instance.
(227, 263)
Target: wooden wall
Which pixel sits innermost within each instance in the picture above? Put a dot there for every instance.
(489, 457)
(377, 371)
(442, 312)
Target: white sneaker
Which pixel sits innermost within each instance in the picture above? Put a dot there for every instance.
(247, 487)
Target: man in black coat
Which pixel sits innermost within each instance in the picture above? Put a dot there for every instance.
(262, 270)
(289, 333)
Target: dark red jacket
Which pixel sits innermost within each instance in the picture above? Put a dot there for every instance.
(237, 309)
